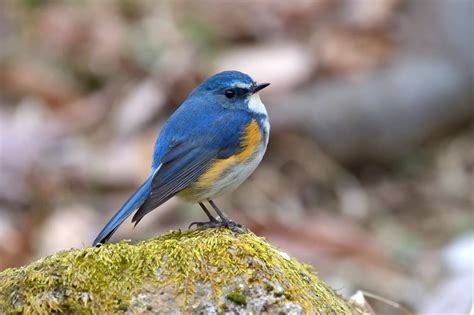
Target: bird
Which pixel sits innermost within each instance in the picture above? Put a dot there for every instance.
(213, 141)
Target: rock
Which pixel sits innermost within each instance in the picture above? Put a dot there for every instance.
(196, 271)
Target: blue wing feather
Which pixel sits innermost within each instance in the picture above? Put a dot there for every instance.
(174, 176)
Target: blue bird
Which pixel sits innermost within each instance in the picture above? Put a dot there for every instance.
(208, 146)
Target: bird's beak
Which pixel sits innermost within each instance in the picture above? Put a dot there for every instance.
(257, 87)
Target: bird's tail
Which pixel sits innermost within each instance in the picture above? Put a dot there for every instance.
(131, 205)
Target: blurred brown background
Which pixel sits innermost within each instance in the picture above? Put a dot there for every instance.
(369, 171)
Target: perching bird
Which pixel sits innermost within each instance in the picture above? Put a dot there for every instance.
(208, 146)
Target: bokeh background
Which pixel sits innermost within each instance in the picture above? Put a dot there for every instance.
(369, 171)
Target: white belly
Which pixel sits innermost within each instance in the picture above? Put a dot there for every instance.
(235, 176)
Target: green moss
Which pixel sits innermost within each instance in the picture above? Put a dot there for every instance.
(179, 270)
(236, 297)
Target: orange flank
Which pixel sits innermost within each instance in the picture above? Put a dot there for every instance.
(251, 139)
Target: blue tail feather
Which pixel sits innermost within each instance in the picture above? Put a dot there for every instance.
(131, 205)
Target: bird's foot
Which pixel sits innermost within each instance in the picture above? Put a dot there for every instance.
(231, 225)
(206, 225)
(234, 226)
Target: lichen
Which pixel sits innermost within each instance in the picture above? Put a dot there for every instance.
(190, 271)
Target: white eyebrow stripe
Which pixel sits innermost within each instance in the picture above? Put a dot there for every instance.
(243, 85)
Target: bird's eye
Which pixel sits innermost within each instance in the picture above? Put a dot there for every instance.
(229, 93)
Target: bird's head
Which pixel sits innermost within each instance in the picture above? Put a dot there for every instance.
(232, 89)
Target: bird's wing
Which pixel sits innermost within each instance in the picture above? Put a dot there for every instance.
(191, 156)
(180, 167)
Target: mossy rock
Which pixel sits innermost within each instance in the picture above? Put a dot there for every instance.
(213, 271)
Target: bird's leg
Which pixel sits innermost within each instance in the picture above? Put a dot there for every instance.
(209, 215)
(212, 221)
(225, 221)
(221, 214)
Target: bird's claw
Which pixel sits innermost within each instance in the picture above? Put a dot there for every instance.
(231, 225)
(205, 225)
(234, 226)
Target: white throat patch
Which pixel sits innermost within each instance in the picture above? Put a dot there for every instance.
(256, 105)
